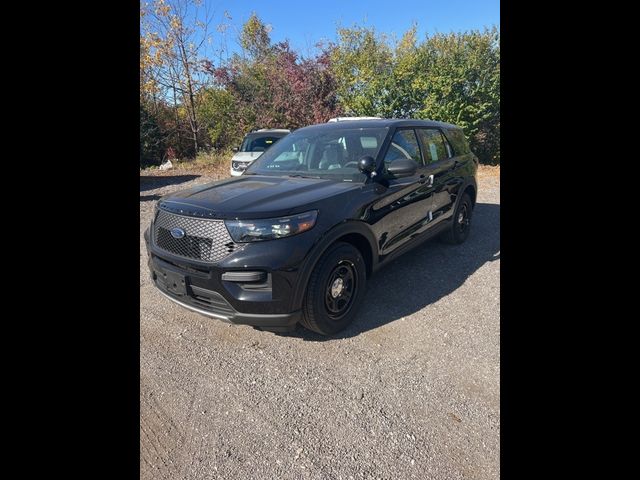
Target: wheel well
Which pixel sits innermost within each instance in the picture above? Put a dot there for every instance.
(472, 193)
(362, 244)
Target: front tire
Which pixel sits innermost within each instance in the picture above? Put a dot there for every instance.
(460, 223)
(335, 290)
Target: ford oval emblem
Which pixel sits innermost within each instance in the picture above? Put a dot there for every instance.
(177, 232)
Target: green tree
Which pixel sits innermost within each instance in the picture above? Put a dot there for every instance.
(254, 37)
(461, 84)
(452, 78)
(217, 115)
(151, 139)
(362, 62)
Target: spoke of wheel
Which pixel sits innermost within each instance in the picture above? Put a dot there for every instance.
(330, 302)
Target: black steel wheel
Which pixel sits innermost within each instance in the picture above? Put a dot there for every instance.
(340, 287)
(460, 223)
(335, 289)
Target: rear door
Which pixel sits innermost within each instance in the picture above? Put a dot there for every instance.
(441, 164)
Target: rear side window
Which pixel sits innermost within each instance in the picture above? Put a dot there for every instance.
(434, 144)
(458, 141)
(404, 144)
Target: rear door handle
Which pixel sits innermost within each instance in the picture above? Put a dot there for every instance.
(426, 180)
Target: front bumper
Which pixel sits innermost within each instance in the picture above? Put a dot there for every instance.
(201, 288)
(276, 323)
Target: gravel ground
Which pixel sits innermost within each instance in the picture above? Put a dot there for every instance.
(410, 390)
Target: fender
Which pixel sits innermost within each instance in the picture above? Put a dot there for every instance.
(469, 182)
(322, 244)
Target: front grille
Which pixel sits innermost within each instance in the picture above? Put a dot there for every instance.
(204, 239)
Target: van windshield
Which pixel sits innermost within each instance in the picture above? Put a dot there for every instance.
(258, 142)
(332, 153)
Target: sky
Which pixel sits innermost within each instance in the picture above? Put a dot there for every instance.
(306, 22)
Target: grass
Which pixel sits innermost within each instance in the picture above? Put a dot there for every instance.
(214, 164)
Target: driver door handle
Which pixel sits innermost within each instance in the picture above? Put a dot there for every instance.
(426, 180)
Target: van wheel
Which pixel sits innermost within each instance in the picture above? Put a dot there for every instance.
(335, 290)
(461, 222)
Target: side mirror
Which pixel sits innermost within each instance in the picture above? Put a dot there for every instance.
(403, 167)
(235, 149)
(367, 165)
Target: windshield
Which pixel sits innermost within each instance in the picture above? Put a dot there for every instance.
(332, 153)
(259, 143)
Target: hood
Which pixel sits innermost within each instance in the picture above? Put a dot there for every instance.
(245, 156)
(254, 197)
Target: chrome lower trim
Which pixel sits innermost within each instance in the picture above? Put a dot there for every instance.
(195, 309)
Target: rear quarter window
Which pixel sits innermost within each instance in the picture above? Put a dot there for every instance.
(457, 140)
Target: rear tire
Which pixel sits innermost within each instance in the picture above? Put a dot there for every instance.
(460, 223)
(335, 290)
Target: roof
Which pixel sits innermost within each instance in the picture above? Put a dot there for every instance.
(378, 123)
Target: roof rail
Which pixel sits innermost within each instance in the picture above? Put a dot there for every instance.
(343, 119)
(272, 130)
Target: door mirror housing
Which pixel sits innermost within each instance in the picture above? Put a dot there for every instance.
(367, 165)
(403, 167)
(235, 149)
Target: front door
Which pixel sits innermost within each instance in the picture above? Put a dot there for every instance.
(406, 205)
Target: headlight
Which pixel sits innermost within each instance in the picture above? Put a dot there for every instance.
(270, 228)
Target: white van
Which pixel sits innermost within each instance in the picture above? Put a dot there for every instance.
(253, 145)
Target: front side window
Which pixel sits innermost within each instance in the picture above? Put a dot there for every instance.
(435, 147)
(404, 144)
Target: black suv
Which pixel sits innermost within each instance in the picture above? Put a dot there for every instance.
(298, 235)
